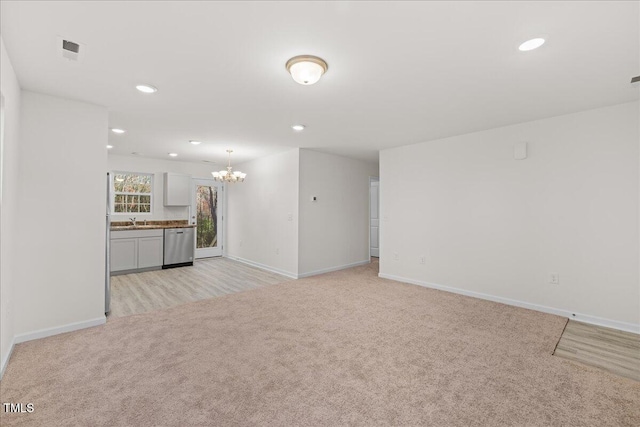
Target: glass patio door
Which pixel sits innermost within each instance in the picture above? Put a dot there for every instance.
(206, 214)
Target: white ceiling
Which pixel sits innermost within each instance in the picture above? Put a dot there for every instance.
(399, 73)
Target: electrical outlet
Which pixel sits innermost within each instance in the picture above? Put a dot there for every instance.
(277, 251)
(290, 217)
(554, 278)
(423, 259)
(396, 257)
(240, 243)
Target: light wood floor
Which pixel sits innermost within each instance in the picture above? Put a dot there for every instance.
(141, 292)
(609, 349)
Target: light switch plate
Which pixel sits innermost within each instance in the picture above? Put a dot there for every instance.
(520, 151)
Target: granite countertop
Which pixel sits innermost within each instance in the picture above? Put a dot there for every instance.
(150, 225)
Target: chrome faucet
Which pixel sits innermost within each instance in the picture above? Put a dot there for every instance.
(133, 221)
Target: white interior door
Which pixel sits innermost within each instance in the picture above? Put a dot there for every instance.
(374, 209)
(206, 214)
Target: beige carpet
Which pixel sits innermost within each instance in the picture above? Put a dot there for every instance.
(345, 348)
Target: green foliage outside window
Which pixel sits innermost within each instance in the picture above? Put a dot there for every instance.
(132, 192)
(207, 204)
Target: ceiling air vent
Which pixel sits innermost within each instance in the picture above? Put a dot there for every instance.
(69, 49)
(70, 46)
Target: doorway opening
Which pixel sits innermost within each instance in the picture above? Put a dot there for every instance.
(374, 217)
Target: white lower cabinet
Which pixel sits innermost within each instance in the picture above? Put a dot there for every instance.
(136, 250)
(124, 254)
(150, 251)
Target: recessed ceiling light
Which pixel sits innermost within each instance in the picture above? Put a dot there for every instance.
(195, 142)
(173, 154)
(109, 147)
(531, 44)
(147, 88)
(116, 130)
(306, 69)
(298, 127)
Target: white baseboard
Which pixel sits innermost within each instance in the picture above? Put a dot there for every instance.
(5, 360)
(42, 333)
(294, 275)
(330, 269)
(594, 320)
(263, 267)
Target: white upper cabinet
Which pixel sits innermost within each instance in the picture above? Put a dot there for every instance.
(177, 189)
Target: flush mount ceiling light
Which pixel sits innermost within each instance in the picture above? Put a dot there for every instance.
(195, 142)
(147, 88)
(118, 131)
(531, 44)
(173, 154)
(229, 175)
(109, 147)
(298, 128)
(306, 69)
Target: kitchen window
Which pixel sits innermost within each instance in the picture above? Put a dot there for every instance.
(132, 192)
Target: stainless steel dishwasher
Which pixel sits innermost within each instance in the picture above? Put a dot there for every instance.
(179, 245)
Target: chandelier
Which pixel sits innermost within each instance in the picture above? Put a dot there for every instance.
(228, 175)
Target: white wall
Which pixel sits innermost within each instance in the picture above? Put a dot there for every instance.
(158, 167)
(61, 241)
(8, 203)
(496, 226)
(334, 230)
(262, 213)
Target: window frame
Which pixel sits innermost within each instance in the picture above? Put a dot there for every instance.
(114, 193)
